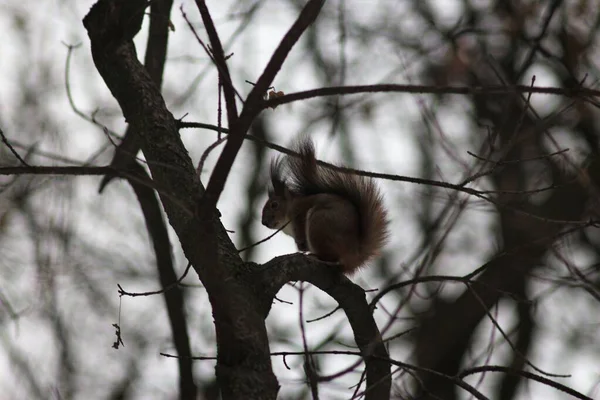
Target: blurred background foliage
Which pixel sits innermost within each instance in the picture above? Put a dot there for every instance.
(64, 247)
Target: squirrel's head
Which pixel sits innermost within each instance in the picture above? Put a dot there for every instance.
(274, 213)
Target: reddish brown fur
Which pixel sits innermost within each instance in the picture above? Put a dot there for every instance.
(339, 217)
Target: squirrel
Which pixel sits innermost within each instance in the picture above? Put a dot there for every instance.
(336, 216)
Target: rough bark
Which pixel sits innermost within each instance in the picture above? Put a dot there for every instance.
(243, 364)
(240, 293)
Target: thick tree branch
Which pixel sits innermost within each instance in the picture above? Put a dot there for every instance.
(124, 158)
(244, 365)
(350, 297)
(156, 55)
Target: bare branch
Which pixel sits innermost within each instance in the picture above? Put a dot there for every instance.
(525, 374)
(579, 92)
(253, 106)
(351, 299)
(51, 170)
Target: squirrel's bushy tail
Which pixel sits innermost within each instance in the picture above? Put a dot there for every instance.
(307, 178)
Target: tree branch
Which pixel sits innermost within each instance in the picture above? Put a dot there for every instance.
(156, 55)
(351, 298)
(221, 63)
(427, 89)
(244, 366)
(253, 106)
(174, 300)
(52, 170)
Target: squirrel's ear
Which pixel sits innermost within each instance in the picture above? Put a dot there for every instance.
(287, 194)
(277, 176)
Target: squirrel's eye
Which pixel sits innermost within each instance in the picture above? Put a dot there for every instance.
(274, 204)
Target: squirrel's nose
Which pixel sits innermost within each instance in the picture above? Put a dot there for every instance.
(268, 221)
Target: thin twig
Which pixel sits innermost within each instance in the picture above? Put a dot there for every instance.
(263, 240)
(12, 149)
(456, 380)
(525, 374)
(123, 292)
(207, 152)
